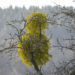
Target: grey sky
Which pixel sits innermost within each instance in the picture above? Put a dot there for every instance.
(40, 3)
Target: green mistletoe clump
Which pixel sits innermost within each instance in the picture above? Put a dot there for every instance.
(35, 42)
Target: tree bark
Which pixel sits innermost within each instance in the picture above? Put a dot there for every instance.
(35, 66)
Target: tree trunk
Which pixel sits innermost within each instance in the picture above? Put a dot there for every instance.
(36, 66)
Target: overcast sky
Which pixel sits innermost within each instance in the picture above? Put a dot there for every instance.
(40, 3)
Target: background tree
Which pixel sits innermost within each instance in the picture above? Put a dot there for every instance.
(59, 18)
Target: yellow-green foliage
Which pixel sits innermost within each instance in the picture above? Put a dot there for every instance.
(34, 21)
(31, 43)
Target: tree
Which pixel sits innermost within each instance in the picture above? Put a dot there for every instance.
(31, 41)
(33, 46)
